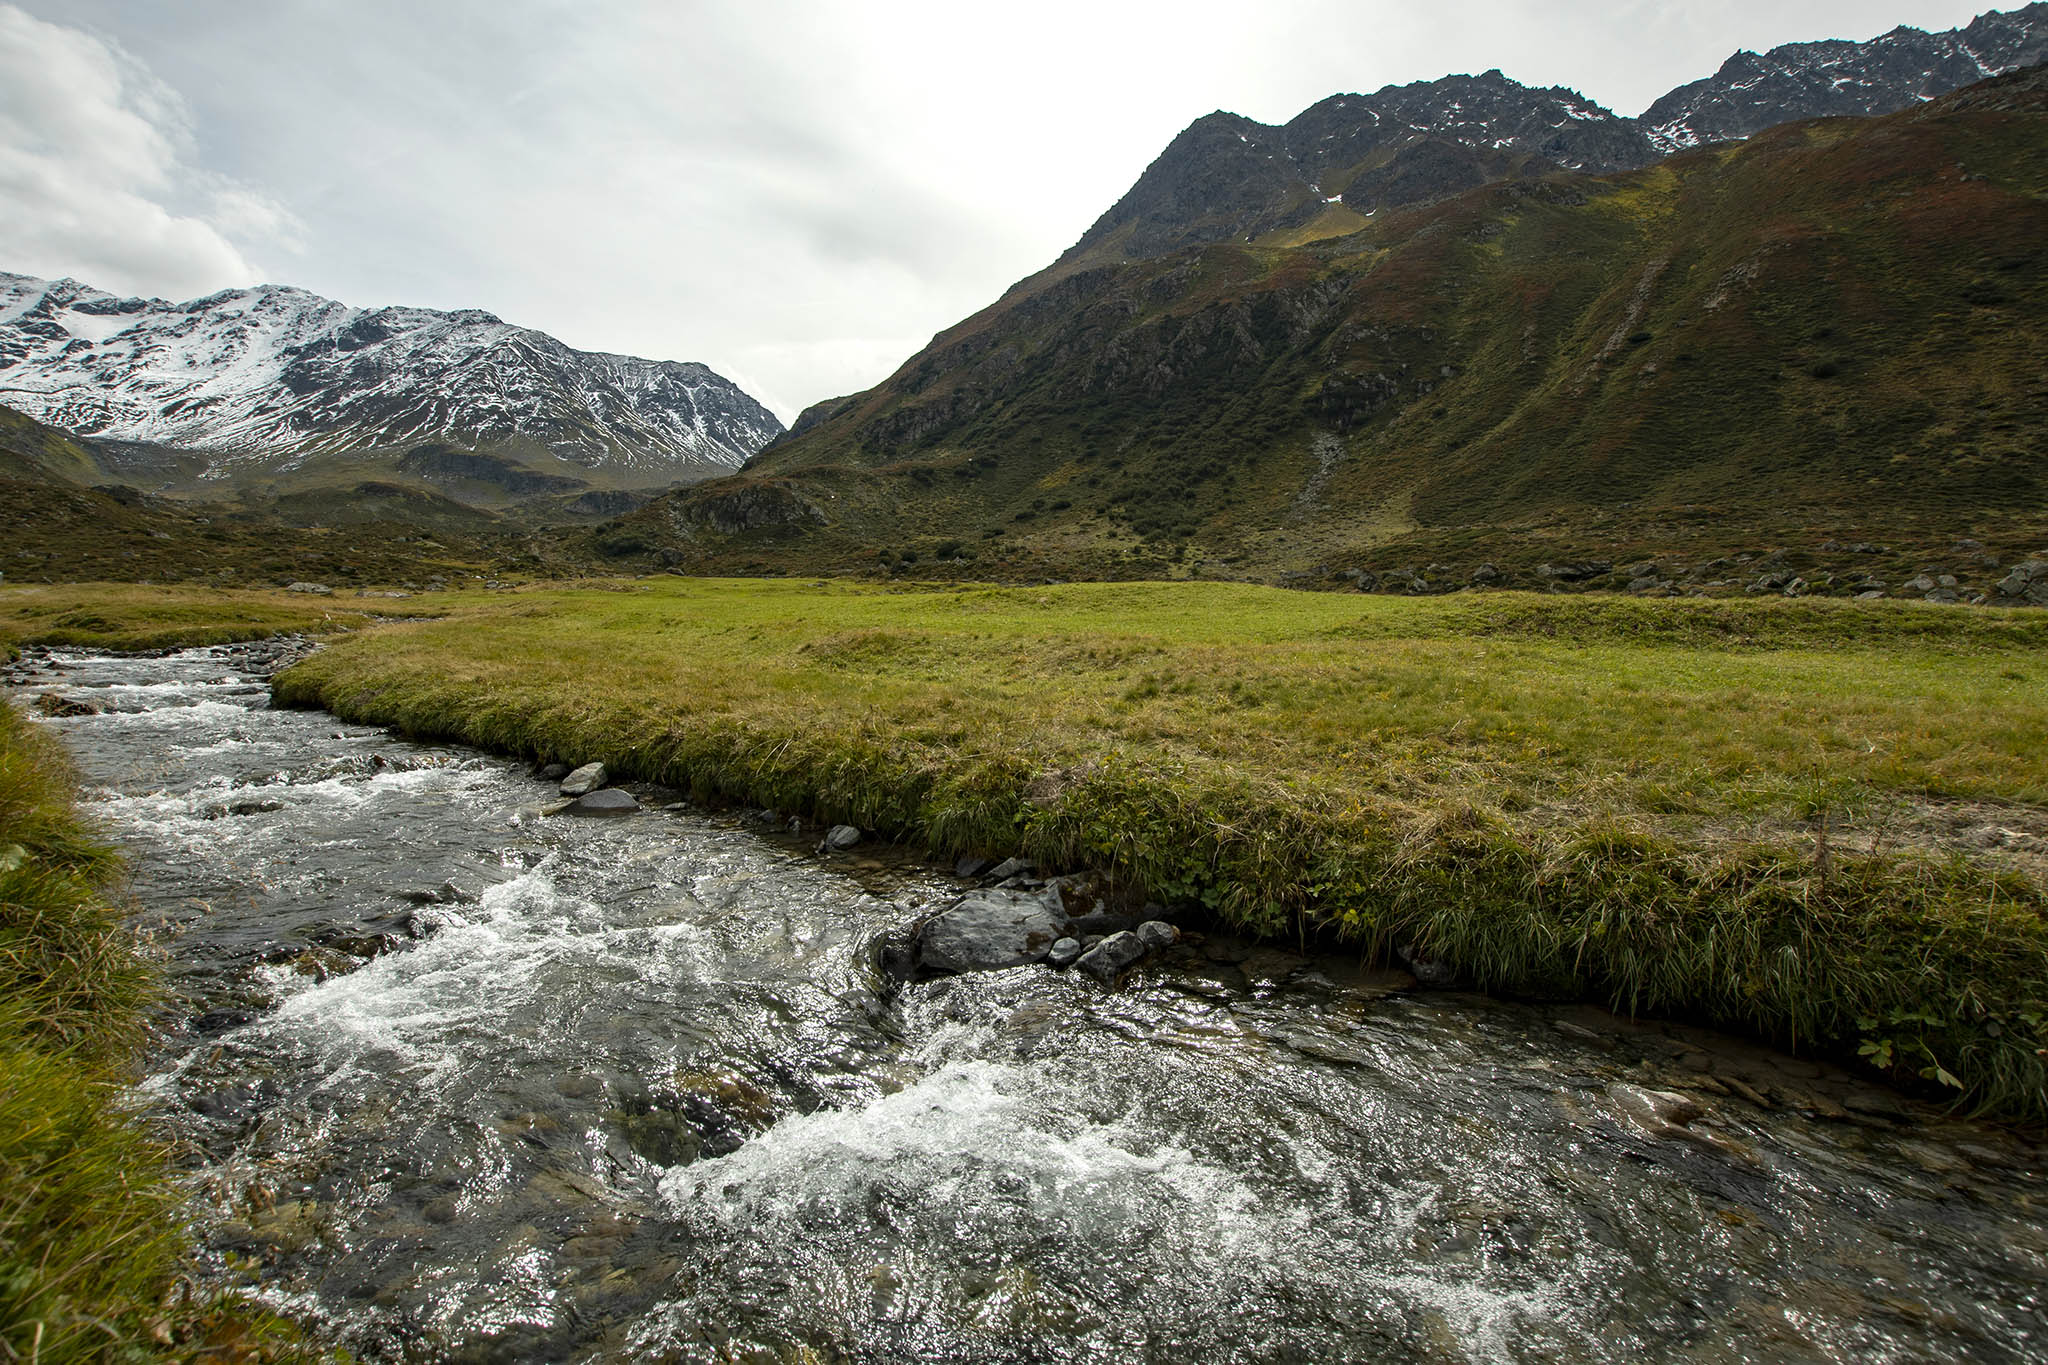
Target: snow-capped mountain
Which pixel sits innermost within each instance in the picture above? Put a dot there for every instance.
(275, 371)
(1753, 91)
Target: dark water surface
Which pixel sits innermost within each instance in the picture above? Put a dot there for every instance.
(637, 1093)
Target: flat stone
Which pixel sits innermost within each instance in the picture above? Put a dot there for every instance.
(587, 778)
(971, 867)
(1011, 867)
(610, 801)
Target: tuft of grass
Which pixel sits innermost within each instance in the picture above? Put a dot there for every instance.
(1610, 799)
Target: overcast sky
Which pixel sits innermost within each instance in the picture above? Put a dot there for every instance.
(796, 194)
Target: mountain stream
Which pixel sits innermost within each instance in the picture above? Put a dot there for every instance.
(456, 1080)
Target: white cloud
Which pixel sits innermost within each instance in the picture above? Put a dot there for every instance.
(97, 178)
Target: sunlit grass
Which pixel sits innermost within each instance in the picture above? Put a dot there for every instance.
(138, 616)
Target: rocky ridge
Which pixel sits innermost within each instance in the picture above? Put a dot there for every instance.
(1352, 156)
(1832, 79)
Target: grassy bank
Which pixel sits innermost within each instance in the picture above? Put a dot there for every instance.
(140, 616)
(90, 1232)
(1721, 810)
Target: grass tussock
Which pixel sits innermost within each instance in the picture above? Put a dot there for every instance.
(1556, 796)
(90, 1235)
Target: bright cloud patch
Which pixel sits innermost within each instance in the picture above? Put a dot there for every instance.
(96, 173)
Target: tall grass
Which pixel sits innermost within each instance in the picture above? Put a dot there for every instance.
(90, 1238)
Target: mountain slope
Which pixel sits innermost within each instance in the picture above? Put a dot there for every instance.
(1227, 176)
(274, 375)
(34, 453)
(1831, 326)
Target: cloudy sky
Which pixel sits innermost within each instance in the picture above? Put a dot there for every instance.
(797, 194)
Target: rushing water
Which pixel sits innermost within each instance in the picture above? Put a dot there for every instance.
(635, 1091)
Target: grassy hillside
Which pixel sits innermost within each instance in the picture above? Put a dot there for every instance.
(33, 452)
(1829, 333)
(1820, 822)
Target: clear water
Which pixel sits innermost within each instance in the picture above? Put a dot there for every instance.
(645, 1098)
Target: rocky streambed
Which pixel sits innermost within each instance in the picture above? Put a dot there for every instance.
(458, 1079)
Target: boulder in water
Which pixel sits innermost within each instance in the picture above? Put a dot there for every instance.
(991, 930)
(839, 838)
(585, 779)
(51, 704)
(610, 801)
(1111, 956)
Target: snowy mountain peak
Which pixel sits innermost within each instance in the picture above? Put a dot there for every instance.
(1833, 77)
(274, 369)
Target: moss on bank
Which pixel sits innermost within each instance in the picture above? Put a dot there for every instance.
(90, 1234)
(1538, 794)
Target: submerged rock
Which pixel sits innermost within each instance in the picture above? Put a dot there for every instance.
(585, 779)
(50, 704)
(553, 772)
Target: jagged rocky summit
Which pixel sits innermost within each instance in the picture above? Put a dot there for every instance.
(275, 370)
(1351, 156)
(1753, 91)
